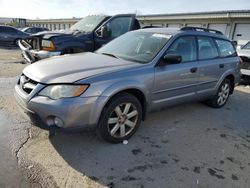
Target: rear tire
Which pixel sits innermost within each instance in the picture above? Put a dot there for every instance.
(222, 95)
(120, 118)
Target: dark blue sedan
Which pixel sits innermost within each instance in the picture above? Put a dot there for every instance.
(10, 35)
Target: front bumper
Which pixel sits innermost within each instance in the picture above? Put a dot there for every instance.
(245, 72)
(77, 112)
(35, 55)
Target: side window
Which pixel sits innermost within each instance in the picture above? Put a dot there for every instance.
(119, 26)
(10, 30)
(34, 30)
(226, 48)
(185, 47)
(207, 48)
(28, 30)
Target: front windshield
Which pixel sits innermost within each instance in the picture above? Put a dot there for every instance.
(87, 24)
(137, 46)
(247, 46)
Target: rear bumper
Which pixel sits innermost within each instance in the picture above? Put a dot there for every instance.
(35, 55)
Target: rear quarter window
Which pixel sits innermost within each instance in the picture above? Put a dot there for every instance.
(226, 48)
(207, 48)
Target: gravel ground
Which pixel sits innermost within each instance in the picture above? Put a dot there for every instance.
(189, 145)
(11, 62)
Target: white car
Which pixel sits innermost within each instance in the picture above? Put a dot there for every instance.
(244, 53)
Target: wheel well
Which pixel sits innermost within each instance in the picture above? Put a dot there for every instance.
(231, 78)
(140, 96)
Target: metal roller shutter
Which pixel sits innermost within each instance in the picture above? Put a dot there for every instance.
(242, 33)
(218, 27)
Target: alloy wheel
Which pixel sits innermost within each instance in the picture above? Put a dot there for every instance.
(122, 120)
(223, 94)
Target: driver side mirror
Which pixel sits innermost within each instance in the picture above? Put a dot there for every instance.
(171, 59)
(105, 32)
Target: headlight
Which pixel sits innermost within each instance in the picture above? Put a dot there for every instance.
(63, 91)
(48, 45)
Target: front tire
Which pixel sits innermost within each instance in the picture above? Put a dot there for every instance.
(120, 118)
(222, 95)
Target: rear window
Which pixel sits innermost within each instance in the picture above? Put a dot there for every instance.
(207, 48)
(226, 48)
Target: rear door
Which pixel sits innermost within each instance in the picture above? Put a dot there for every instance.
(10, 34)
(211, 65)
(175, 83)
(117, 25)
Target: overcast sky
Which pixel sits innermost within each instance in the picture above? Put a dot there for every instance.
(79, 8)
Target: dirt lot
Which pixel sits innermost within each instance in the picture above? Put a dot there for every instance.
(189, 145)
(11, 62)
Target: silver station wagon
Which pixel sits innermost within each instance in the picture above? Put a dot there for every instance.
(142, 71)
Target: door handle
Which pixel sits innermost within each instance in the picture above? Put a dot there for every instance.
(193, 70)
(221, 65)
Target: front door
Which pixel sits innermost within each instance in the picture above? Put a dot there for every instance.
(176, 83)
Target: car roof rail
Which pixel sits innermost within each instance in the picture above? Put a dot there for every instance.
(200, 29)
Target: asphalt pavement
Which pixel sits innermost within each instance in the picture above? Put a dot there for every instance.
(189, 145)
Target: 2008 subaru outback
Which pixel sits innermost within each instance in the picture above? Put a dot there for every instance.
(139, 72)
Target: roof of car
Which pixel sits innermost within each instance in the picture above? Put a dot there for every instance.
(174, 31)
(7, 26)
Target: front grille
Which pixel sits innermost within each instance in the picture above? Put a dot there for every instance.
(36, 43)
(27, 84)
(32, 43)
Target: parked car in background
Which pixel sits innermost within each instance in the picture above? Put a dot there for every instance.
(88, 34)
(244, 53)
(141, 71)
(11, 35)
(33, 30)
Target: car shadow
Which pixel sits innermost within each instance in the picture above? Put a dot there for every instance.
(123, 165)
(162, 151)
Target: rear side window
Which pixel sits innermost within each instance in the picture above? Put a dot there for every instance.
(185, 47)
(226, 48)
(207, 48)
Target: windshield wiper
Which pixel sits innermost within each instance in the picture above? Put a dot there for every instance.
(111, 55)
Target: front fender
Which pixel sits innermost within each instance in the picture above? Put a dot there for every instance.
(112, 90)
(125, 85)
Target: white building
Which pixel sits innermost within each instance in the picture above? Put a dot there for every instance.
(234, 24)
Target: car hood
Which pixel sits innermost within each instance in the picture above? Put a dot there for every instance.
(50, 34)
(71, 68)
(244, 52)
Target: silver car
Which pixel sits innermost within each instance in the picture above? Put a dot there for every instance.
(142, 71)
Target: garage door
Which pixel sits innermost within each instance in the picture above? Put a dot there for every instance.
(194, 25)
(174, 25)
(242, 33)
(218, 27)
